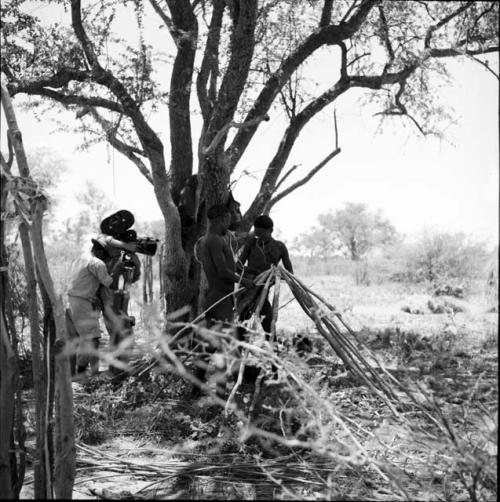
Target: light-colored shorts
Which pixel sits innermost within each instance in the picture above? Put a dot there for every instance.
(85, 319)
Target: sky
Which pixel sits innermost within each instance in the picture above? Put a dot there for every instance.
(417, 182)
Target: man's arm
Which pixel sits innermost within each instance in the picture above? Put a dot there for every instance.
(98, 268)
(126, 246)
(216, 252)
(243, 257)
(285, 258)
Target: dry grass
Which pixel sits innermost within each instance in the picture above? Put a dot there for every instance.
(317, 434)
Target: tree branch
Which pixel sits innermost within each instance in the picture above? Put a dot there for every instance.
(223, 131)
(209, 62)
(303, 180)
(326, 14)
(485, 65)
(128, 151)
(60, 79)
(73, 99)
(328, 35)
(384, 33)
(442, 22)
(181, 142)
(349, 10)
(233, 82)
(285, 176)
(168, 22)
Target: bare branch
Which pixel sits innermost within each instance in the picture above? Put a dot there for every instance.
(442, 22)
(303, 180)
(223, 131)
(209, 62)
(349, 10)
(335, 129)
(128, 151)
(164, 17)
(328, 35)
(485, 65)
(73, 99)
(452, 51)
(326, 14)
(7, 164)
(285, 176)
(384, 32)
(58, 80)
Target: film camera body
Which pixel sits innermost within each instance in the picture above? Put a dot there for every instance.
(118, 224)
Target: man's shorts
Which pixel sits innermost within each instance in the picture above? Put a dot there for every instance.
(85, 318)
(223, 311)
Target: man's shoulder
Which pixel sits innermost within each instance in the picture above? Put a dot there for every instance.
(280, 244)
(96, 263)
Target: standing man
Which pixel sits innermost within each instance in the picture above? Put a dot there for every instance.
(219, 267)
(118, 326)
(260, 252)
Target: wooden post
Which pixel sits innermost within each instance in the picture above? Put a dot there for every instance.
(150, 277)
(7, 383)
(64, 441)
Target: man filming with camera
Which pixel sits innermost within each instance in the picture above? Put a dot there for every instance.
(100, 284)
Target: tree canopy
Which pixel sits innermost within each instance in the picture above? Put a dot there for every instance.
(242, 60)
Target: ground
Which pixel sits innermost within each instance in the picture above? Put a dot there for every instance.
(145, 438)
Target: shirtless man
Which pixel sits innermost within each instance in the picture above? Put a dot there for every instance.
(260, 252)
(218, 263)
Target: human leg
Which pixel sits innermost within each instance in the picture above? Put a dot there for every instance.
(85, 320)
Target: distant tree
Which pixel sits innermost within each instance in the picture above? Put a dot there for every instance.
(96, 204)
(317, 242)
(353, 231)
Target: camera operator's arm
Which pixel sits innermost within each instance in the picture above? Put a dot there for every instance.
(126, 246)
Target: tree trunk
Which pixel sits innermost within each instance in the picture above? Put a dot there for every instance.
(40, 467)
(8, 369)
(64, 458)
(64, 433)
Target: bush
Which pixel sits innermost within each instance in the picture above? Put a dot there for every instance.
(444, 258)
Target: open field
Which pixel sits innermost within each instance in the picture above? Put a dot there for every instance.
(333, 439)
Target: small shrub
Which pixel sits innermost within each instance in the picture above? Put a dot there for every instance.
(443, 258)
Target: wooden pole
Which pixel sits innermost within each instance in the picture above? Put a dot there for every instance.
(64, 446)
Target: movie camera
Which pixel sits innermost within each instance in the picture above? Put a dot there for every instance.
(118, 224)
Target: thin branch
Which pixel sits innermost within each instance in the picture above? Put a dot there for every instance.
(335, 129)
(128, 151)
(73, 99)
(166, 19)
(222, 132)
(303, 180)
(349, 10)
(442, 22)
(285, 176)
(486, 65)
(357, 58)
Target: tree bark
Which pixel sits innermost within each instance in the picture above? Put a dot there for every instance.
(64, 459)
(40, 467)
(185, 36)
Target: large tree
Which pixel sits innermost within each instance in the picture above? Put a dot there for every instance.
(243, 58)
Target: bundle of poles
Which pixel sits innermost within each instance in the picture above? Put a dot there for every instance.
(331, 325)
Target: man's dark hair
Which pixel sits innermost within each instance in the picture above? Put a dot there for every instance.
(216, 211)
(99, 251)
(263, 221)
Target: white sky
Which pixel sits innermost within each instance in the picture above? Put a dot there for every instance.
(417, 182)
